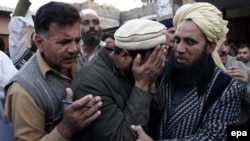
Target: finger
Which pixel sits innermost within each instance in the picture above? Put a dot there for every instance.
(87, 112)
(154, 55)
(95, 100)
(90, 119)
(136, 62)
(69, 95)
(160, 57)
(138, 129)
(81, 102)
(96, 105)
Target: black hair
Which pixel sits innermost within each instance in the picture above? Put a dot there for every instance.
(55, 12)
(2, 45)
(106, 35)
(133, 53)
(167, 22)
(243, 46)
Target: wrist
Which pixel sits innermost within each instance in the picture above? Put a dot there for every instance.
(64, 131)
(143, 86)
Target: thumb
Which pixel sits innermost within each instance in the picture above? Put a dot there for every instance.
(69, 95)
(138, 129)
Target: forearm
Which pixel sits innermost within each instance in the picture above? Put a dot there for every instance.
(22, 8)
(17, 38)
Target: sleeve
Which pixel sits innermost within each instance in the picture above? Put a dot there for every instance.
(8, 70)
(27, 118)
(115, 121)
(246, 96)
(20, 19)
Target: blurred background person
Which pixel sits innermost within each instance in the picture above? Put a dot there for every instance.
(240, 72)
(21, 19)
(7, 71)
(91, 34)
(109, 39)
(244, 54)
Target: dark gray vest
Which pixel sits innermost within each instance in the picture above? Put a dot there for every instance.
(48, 93)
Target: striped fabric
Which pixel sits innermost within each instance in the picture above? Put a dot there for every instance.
(182, 125)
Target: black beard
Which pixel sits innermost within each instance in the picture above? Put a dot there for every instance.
(91, 39)
(185, 76)
(129, 74)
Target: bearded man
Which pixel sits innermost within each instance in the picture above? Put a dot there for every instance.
(91, 34)
(200, 100)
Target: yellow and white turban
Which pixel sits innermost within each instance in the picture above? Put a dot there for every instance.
(209, 19)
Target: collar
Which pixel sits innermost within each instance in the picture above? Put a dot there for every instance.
(45, 68)
(104, 54)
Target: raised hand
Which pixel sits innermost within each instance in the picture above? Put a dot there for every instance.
(76, 116)
(146, 71)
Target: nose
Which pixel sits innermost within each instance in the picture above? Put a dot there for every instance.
(91, 25)
(222, 48)
(180, 47)
(74, 47)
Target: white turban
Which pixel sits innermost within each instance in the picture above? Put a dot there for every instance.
(209, 19)
(88, 11)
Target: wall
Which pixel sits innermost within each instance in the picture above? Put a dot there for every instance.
(109, 16)
(4, 32)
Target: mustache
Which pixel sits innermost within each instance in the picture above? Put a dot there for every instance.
(88, 32)
(223, 54)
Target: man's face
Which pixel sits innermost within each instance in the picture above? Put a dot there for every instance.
(223, 52)
(60, 46)
(243, 54)
(170, 36)
(90, 29)
(126, 64)
(110, 43)
(189, 43)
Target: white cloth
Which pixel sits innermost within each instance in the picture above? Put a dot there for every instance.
(84, 12)
(7, 71)
(18, 35)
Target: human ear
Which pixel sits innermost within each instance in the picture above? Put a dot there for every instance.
(39, 41)
(124, 55)
(211, 47)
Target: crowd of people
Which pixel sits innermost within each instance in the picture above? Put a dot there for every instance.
(151, 80)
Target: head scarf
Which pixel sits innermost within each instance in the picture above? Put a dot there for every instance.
(209, 19)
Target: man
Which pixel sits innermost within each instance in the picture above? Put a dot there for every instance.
(35, 94)
(125, 80)
(109, 39)
(200, 100)
(2, 45)
(240, 72)
(7, 71)
(244, 54)
(91, 34)
(170, 31)
(20, 20)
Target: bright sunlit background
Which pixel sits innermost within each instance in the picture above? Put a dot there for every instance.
(122, 5)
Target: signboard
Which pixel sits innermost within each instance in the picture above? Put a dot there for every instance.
(165, 9)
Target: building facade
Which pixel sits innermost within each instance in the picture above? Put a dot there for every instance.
(237, 12)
